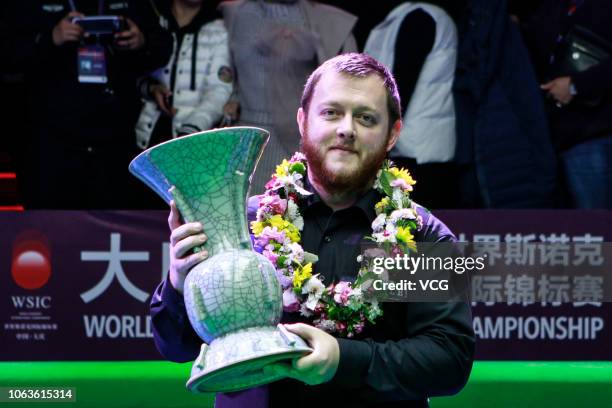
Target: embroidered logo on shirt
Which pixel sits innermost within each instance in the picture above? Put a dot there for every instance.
(225, 74)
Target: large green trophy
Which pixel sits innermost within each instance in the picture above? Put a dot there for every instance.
(233, 298)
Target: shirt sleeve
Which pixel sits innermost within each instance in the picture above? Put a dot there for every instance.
(174, 337)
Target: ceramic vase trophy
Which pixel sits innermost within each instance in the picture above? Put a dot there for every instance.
(233, 298)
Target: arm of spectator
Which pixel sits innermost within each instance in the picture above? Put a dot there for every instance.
(414, 42)
(36, 36)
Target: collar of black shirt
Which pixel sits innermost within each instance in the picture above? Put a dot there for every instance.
(365, 203)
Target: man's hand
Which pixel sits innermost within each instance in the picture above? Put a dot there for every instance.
(559, 90)
(66, 31)
(317, 367)
(183, 238)
(161, 94)
(131, 39)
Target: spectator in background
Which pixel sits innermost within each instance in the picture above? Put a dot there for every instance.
(188, 94)
(571, 44)
(418, 41)
(504, 150)
(83, 100)
(275, 45)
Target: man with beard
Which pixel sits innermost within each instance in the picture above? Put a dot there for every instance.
(349, 119)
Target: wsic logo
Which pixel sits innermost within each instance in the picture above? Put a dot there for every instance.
(31, 261)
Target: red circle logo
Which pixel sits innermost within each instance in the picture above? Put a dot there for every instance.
(31, 266)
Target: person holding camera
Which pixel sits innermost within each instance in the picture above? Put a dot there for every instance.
(571, 47)
(82, 60)
(188, 94)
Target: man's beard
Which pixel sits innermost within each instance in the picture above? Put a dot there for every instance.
(360, 179)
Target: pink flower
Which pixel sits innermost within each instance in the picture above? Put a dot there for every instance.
(272, 257)
(298, 156)
(340, 326)
(342, 290)
(270, 184)
(358, 327)
(290, 301)
(271, 233)
(401, 183)
(277, 204)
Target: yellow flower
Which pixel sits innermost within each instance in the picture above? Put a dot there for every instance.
(381, 205)
(403, 235)
(257, 227)
(277, 221)
(403, 174)
(292, 232)
(282, 169)
(301, 275)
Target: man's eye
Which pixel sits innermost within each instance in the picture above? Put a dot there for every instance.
(329, 113)
(367, 119)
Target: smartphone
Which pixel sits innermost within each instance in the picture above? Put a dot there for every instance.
(100, 25)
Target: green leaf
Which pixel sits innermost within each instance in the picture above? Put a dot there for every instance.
(310, 258)
(385, 182)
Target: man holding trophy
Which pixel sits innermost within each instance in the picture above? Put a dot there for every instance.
(317, 208)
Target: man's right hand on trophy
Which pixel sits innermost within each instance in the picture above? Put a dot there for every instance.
(183, 238)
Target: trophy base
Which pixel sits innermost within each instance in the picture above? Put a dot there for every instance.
(235, 361)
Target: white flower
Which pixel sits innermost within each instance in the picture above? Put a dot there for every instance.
(379, 223)
(296, 251)
(419, 222)
(391, 229)
(304, 311)
(398, 197)
(292, 211)
(404, 213)
(314, 288)
(356, 293)
(299, 222)
(381, 237)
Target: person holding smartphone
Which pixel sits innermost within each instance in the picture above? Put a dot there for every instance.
(83, 99)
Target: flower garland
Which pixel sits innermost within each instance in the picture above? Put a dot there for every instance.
(341, 308)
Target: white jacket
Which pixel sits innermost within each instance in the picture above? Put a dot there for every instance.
(198, 95)
(428, 133)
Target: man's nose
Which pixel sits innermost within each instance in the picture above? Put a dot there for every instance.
(346, 128)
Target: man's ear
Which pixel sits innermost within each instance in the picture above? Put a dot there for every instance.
(301, 118)
(394, 134)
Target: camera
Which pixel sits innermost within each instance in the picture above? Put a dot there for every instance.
(101, 25)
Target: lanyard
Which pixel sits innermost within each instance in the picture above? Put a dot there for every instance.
(100, 6)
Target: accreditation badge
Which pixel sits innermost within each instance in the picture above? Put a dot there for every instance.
(91, 63)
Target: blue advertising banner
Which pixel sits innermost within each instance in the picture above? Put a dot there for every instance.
(75, 285)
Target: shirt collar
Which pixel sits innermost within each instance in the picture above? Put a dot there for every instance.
(366, 202)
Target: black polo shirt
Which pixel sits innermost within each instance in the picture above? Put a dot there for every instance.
(336, 236)
(414, 351)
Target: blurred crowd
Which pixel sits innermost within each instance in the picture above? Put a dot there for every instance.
(505, 104)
